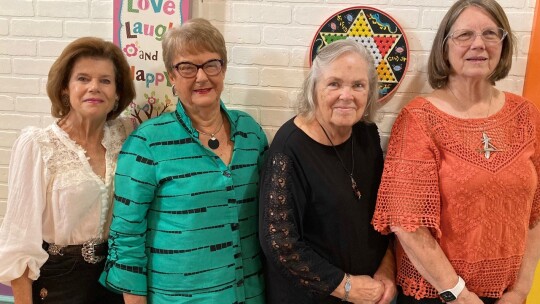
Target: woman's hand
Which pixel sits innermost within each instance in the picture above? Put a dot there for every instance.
(390, 291)
(512, 297)
(366, 290)
(386, 273)
(466, 297)
(134, 299)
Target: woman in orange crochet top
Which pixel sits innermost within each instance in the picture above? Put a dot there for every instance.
(460, 182)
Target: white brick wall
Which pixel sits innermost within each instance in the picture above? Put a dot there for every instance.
(268, 43)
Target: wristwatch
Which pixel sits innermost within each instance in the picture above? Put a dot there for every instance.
(452, 294)
(347, 287)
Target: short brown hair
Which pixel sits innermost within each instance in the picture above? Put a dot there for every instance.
(91, 47)
(192, 37)
(438, 65)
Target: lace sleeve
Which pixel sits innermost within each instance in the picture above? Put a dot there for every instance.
(409, 193)
(280, 237)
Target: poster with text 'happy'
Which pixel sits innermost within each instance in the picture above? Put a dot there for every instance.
(139, 27)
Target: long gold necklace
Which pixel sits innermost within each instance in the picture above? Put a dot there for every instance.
(355, 189)
(487, 146)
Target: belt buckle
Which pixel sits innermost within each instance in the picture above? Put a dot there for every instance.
(54, 249)
(88, 251)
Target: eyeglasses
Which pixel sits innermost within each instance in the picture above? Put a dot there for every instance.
(490, 36)
(189, 70)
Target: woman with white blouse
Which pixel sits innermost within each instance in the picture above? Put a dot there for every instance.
(60, 185)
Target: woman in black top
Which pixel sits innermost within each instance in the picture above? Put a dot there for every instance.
(319, 188)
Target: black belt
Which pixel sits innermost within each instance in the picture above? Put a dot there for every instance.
(92, 251)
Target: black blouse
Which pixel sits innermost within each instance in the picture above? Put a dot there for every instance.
(312, 227)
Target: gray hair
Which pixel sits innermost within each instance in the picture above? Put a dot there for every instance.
(306, 103)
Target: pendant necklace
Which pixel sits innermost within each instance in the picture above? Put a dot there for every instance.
(487, 146)
(213, 142)
(355, 189)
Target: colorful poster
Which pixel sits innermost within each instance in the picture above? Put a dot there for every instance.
(139, 27)
(375, 30)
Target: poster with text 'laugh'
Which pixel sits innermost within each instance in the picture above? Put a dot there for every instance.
(139, 27)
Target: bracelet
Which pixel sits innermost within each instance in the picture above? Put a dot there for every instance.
(347, 287)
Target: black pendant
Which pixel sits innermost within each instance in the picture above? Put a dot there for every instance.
(213, 143)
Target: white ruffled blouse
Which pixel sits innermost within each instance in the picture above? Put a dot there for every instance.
(55, 196)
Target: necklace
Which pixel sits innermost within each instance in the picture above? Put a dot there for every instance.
(213, 142)
(355, 189)
(487, 146)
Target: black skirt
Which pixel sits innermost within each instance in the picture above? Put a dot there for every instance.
(70, 280)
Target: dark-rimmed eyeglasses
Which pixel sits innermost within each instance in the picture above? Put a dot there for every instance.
(491, 36)
(189, 69)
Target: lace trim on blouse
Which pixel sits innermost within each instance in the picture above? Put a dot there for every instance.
(53, 142)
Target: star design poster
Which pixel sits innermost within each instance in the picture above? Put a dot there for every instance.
(375, 30)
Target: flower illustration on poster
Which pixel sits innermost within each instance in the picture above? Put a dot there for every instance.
(379, 33)
(139, 27)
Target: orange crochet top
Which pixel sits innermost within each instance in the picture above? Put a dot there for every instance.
(479, 209)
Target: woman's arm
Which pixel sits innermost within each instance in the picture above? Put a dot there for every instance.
(134, 299)
(134, 192)
(427, 256)
(281, 204)
(22, 289)
(519, 291)
(387, 275)
(21, 235)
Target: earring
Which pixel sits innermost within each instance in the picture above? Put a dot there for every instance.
(115, 107)
(174, 91)
(65, 101)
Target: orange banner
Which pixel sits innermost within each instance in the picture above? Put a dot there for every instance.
(531, 90)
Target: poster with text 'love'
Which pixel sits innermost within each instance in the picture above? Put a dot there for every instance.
(139, 27)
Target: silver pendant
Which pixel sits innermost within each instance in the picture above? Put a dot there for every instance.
(488, 146)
